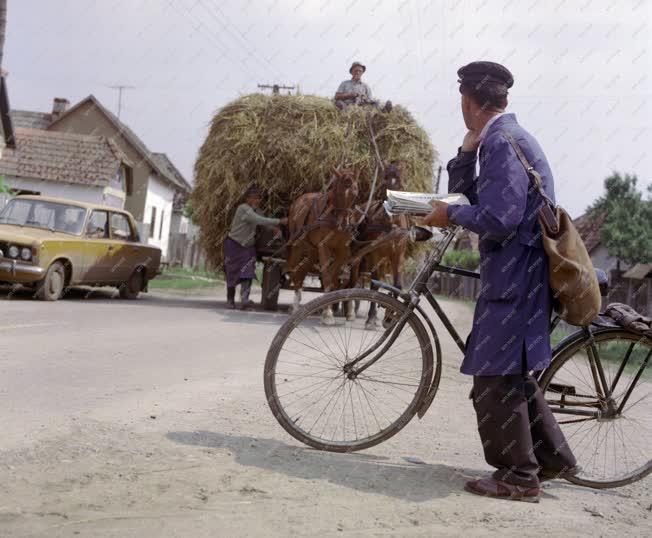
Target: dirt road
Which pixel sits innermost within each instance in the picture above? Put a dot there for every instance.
(148, 419)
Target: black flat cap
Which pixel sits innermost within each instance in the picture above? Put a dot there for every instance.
(485, 72)
(253, 192)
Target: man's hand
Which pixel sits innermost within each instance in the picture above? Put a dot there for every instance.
(438, 217)
(471, 141)
(283, 221)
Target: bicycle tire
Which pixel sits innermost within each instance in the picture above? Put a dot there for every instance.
(562, 356)
(316, 306)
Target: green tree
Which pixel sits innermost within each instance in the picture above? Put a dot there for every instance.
(4, 189)
(627, 228)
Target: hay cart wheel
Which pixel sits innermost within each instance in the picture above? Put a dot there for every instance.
(271, 285)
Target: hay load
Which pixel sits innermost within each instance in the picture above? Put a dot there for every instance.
(289, 145)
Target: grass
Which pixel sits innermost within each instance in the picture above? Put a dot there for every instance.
(183, 284)
(178, 278)
(612, 352)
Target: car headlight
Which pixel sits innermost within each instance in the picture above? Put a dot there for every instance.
(14, 251)
(26, 253)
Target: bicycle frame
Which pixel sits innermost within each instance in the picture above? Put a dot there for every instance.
(419, 288)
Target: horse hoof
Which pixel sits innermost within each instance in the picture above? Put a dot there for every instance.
(350, 316)
(328, 320)
(370, 325)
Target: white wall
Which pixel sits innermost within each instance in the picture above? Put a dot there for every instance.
(601, 259)
(81, 193)
(159, 195)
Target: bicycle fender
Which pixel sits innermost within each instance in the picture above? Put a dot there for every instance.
(425, 404)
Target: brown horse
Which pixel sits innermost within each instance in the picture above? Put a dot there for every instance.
(389, 233)
(321, 231)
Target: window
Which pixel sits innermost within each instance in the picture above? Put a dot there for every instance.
(152, 222)
(160, 232)
(129, 181)
(43, 214)
(97, 226)
(120, 228)
(123, 180)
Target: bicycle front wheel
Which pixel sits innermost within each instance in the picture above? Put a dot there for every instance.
(352, 383)
(609, 431)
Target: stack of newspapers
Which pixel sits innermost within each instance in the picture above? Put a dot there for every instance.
(418, 203)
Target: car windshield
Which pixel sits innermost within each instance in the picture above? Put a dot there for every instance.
(52, 216)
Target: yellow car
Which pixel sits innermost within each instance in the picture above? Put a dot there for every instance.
(51, 244)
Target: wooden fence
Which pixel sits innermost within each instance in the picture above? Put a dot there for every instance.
(634, 292)
(186, 252)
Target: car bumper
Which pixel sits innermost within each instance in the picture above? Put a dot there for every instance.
(18, 272)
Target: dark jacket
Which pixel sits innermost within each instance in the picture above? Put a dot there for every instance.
(513, 310)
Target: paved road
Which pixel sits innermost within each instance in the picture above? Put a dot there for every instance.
(148, 418)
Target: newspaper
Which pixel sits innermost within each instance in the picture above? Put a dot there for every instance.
(417, 203)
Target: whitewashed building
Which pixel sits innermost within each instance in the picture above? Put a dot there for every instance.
(143, 184)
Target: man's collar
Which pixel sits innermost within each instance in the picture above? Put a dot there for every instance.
(485, 129)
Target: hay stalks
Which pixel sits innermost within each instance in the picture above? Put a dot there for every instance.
(289, 145)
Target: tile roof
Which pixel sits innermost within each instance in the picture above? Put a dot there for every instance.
(589, 226)
(132, 138)
(31, 120)
(64, 157)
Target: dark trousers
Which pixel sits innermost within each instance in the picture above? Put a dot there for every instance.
(519, 433)
(245, 289)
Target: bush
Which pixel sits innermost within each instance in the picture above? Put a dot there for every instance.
(463, 259)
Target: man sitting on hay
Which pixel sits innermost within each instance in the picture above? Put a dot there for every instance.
(355, 92)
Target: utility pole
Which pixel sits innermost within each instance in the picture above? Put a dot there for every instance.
(437, 180)
(120, 88)
(276, 88)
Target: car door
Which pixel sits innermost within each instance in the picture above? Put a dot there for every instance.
(97, 256)
(124, 251)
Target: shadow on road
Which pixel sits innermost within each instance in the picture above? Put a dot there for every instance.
(361, 472)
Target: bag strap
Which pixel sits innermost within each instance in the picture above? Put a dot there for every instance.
(534, 176)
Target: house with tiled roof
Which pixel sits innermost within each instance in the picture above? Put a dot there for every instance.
(589, 226)
(82, 167)
(151, 184)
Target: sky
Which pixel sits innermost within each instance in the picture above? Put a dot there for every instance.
(582, 68)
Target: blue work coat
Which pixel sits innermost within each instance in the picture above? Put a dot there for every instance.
(512, 316)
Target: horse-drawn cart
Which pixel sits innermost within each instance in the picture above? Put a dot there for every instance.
(272, 252)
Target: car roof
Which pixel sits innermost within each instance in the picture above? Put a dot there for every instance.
(85, 205)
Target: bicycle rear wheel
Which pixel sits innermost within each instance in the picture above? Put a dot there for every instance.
(610, 436)
(315, 390)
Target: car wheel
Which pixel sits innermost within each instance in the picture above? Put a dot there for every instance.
(133, 286)
(52, 286)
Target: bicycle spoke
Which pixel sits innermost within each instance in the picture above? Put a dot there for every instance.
(611, 446)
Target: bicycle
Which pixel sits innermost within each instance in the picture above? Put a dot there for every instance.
(598, 381)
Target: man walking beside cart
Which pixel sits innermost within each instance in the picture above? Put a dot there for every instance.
(240, 250)
(510, 335)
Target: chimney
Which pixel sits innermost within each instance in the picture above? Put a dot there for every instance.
(59, 107)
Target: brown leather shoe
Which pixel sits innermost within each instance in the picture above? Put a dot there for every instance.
(497, 489)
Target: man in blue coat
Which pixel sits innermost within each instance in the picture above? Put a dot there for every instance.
(510, 334)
